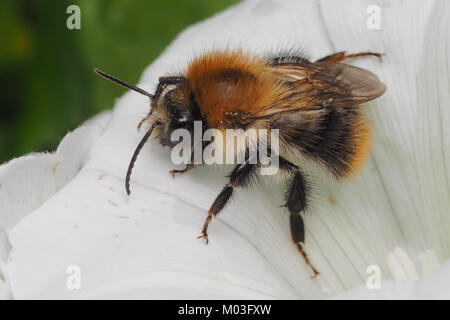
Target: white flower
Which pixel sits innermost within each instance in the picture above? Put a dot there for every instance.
(70, 208)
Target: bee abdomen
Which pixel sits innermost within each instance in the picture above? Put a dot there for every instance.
(339, 140)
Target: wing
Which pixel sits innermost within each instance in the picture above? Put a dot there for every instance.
(314, 86)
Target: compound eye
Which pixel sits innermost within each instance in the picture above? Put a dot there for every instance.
(179, 116)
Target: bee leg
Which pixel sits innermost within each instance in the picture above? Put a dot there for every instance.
(218, 204)
(341, 56)
(190, 164)
(241, 175)
(298, 236)
(175, 171)
(296, 203)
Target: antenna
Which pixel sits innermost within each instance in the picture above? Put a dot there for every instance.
(135, 155)
(123, 83)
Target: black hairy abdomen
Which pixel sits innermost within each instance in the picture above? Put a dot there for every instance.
(328, 139)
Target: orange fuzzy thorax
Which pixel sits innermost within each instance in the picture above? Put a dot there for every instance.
(230, 82)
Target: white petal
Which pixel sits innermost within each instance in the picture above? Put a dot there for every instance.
(435, 286)
(4, 291)
(401, 266)
(73, 151)
(25, 183)
(429, 262)
(390, 290)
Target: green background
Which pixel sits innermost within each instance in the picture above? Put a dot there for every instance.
(47, 84)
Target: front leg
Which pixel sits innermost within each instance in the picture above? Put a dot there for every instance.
(242, 175)
(175, 171)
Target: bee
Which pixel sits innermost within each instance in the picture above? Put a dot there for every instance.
(314, 105)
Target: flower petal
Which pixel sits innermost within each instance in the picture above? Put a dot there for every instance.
(5, 293)
(27, 182)
(435, 286)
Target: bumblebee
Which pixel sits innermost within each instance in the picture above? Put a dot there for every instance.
(314, 105)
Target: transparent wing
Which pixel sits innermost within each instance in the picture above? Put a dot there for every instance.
(314, 86)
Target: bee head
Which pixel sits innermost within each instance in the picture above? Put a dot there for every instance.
(174, 111)
(172, 108)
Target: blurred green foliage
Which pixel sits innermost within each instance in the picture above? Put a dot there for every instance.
(47, 83)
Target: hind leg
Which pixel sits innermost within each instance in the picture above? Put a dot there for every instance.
(296, 198)
(342, 56)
